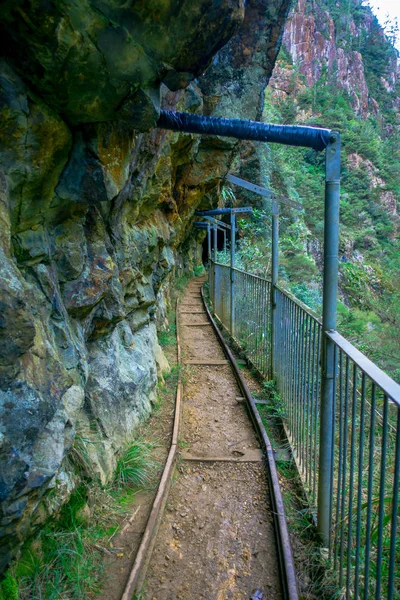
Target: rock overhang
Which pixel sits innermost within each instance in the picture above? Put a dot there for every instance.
(102, 59)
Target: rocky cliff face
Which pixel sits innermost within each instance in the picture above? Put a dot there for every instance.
(329, 40)
(95, 215)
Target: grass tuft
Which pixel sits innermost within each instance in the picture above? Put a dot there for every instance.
(199, 270)
(167, 337)
(136, 466)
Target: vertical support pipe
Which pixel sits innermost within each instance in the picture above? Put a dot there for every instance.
(331, 247)
(209, 242)
(233, 274)
(210, 265)
(274, 278)
(214, 259)
(224, 241)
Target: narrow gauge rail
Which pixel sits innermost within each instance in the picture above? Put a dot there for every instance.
(184, 553)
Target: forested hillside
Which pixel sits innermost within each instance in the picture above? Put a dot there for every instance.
(337, 69)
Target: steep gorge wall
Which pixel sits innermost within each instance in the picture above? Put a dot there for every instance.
(95, 215)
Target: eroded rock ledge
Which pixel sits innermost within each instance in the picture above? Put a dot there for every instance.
(95, 213)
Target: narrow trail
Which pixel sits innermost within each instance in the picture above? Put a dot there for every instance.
(216, 540)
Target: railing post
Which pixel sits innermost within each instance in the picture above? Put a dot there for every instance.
(274, 277)
(331, 247)
(233, 274)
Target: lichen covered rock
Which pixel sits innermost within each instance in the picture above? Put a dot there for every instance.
(95, 217)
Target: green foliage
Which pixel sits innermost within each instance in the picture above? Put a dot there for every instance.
(275, 408)
(228, 195)
(311, 296)
(9, 588)
(181, 282)
(369, 238)
(167, 337)
(65, 560)
(199, 270)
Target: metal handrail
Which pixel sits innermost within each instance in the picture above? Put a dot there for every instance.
(364, 476)
(380, 378)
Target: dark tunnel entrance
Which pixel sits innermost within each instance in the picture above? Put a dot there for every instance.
(220, 244)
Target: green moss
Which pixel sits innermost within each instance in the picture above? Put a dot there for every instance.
(9, 588)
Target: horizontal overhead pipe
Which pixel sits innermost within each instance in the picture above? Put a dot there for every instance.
(290, 135)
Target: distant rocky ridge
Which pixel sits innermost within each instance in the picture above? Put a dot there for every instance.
(318, 44)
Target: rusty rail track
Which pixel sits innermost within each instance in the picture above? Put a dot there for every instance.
(286, 563)
(143, 556)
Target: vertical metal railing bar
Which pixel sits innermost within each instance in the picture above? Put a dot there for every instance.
(395, 515)
(305, 384)
(255, 294)
(308, 392)
(292, 364)
(217, 293)
(370, 492)
(255, 322)
(283, 303)
(295, 379)
(264, 323)
(360, 485)
(343, 507)
(260, 323)
(340, 457)
(245, 330)
(351, 481)
(318, 392)
(232, 275)
(334, 407)
(248, 310)
(281, 336)
(261, 328)
(265, 301)
(291, 369)
(295, 396)
(314, 326)
(300, 382)
(284, 309)
(308, 405)
(303, 332)
(381, 514)
(299, 379)
(252, 317)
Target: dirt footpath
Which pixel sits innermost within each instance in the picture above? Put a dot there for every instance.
(216, 540)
